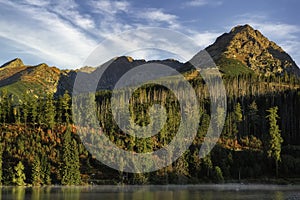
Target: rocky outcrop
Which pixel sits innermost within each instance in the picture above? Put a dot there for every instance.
(17, 62)
(249, 46)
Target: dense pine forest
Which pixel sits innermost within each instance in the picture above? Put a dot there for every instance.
(41, 143)
(260, 140)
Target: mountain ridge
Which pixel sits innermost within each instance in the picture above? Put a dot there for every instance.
(242, 50)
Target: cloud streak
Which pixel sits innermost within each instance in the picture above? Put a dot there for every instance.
(58, 33)
(109, 7)
(157, 16)
(198, 3)
(53, 39)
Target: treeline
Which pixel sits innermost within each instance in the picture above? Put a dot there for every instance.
(39, 144)
(39, 110)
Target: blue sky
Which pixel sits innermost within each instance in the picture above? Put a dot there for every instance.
(64, 32)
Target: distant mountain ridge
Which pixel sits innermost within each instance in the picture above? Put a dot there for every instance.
(18, 78)
(242, 50)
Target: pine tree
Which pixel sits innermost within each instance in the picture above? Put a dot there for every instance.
(4, 106)
(207, 164)
(25, 108)
(19, 176)
(67, 158)
(238, 113)
(65, 103)
(49, 112)
(76, 164)
(33, 109)
(218, 175)
(275, 137)
(45, 170)
(71, 169)
(238, 116)
(36, 172)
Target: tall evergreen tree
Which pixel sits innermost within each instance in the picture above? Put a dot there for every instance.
(25, 107)
(65, 103)
(50, 112)
(76, 164)
(33, 109)
(45, 170)
(71, 165)
(19, 176)
(36, 171)
(274, 149)
(4, 106)
(238, 117)
(67, 158)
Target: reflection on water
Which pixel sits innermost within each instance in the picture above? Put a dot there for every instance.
(209, 192)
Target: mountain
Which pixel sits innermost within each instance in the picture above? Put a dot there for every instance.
(260, 128)
(18, 78)
(117, 68)
(241, 51)
(248, 47)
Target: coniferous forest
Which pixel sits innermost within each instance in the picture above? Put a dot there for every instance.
(260, 140)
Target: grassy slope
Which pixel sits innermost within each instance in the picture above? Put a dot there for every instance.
(232, 67)
(18, 89)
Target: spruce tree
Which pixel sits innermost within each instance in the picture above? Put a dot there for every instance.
(50, 112)
(19, 176)
(65, 103)
(36, 172)
(238, 116)
(274, 149)
(4, 106)
(71, 164)
(67, 158)
(45, 170)
(75, 164)
(33, 109)
(25, 107)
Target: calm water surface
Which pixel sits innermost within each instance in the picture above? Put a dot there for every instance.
(165, 192)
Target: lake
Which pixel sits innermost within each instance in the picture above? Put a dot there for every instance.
(165, 192)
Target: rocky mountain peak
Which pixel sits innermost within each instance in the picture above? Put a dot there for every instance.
(242, 28)
(254, 50)
(17, 62)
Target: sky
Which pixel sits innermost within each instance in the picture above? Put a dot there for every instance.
(64, 33)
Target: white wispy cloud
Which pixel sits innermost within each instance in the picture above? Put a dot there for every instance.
(38, 2)
(69, 10)
(197, 3)
(61, 34)
(109, 7)
(145, 43)
(157, 16)
(58, 33)
(204, 39)
(53, 39)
